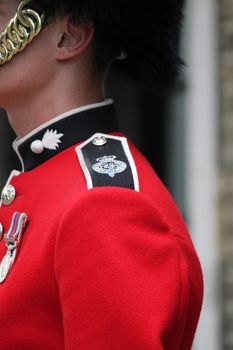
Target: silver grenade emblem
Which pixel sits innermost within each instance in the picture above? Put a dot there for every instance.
(108, 165)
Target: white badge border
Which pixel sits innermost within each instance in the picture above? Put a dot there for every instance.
(125, 146)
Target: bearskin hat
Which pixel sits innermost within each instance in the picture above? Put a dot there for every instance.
(147, 31)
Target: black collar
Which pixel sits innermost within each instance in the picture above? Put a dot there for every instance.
(74, 128)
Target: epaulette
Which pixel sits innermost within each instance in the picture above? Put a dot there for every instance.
(106, 160)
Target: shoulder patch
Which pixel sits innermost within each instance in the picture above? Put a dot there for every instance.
(106, 160)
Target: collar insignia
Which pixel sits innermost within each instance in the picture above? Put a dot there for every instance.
(47, 141)
(50, 140)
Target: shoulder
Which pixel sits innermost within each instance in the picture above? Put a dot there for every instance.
(114, 167)
(106, 160)
(121, 174)
(108, 174)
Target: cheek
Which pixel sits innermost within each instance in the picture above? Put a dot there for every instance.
(28, 71)
(32, 66)
(7, 12)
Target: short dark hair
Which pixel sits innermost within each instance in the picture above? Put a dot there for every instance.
(147, 30)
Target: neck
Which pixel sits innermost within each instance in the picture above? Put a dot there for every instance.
(26, 115)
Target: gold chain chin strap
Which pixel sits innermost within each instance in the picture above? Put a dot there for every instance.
(20, 31)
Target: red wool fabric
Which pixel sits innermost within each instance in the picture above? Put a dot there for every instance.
(107, 268)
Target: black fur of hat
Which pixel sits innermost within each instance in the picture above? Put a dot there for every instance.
(147, 31)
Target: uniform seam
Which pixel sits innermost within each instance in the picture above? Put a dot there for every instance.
(177, 236)
(182, 280)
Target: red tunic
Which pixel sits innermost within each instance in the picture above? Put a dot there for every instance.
(106, 268)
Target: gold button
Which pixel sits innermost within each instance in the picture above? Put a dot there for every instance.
(8, 195)
(99, 141)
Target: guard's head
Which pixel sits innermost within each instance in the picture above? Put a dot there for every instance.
(145, 33)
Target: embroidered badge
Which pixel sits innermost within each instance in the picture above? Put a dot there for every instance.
(108, 165)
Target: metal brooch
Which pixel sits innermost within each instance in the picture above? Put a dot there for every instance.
(13, 240)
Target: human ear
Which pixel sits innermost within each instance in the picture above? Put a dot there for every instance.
(72, 40)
